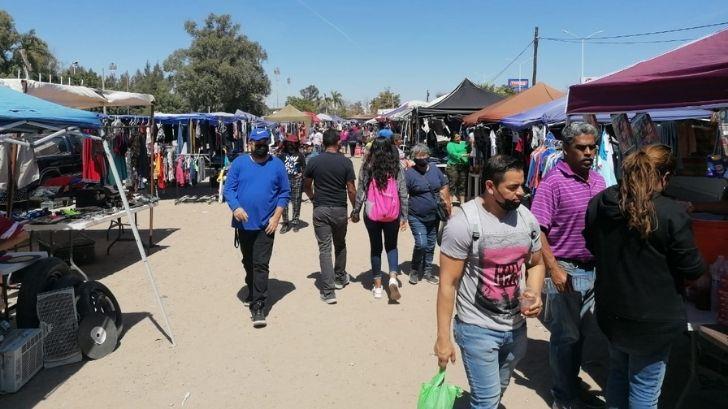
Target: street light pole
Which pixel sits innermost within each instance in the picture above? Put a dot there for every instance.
(582, 47)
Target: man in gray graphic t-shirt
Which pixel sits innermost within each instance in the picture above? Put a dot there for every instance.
(490, 257)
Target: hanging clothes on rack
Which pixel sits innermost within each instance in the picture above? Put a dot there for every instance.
(604, 162)
(92, 161)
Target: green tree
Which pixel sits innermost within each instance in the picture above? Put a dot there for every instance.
(23, 51)
(309, 101)
(152, 80)
(503, 90)
(385, 99)
(221, 70)
(357, 108)
(302, 104)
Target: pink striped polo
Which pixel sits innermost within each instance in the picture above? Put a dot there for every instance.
(560, 206)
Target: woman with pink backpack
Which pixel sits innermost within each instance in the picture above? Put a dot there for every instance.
(382, 191)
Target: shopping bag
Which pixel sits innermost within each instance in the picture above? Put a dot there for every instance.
(436, 394)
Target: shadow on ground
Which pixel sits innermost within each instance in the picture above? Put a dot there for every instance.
(277, 290)
(42, 385)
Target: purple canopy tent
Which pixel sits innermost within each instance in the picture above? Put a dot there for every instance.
(693, 75)
(554, 112)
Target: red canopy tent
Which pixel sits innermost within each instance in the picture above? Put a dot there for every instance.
(695, 74)
(515, 104)
(314, 118)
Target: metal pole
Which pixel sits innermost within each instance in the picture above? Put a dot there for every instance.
(138, 239)
(535, 55)
(151, 175)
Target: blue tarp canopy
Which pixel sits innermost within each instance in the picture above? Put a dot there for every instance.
(554, 112)
(16, 106)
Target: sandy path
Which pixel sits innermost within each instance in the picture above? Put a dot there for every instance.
(361, 353)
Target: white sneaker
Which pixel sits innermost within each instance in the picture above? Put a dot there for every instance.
(378, 291)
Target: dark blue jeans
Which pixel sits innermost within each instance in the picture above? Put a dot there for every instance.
(425, 234)
(390, 231)
(635, 380)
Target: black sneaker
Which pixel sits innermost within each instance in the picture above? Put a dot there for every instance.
(285, 228)
(413, 279)
(296, 227)
(339, 284)
(247, 301)
(258, 317)
(328, 298)
(432, 279)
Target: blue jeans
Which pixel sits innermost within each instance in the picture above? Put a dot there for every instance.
(390, 231)
(425, 234)
(489, 357)
(570, 318)
(635, 381)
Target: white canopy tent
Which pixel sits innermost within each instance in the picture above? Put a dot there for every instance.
(77, 96)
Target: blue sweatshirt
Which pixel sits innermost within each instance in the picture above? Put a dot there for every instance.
(258, 188)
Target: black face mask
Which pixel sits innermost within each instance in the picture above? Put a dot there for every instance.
(260, 150)
(421, 163)
(508, 204)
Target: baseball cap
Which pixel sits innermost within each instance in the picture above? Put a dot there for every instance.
(385, 133)
(259, 134)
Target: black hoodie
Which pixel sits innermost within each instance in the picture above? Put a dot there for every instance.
(639, 282)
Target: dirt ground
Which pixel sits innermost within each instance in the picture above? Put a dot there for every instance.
(360, 353)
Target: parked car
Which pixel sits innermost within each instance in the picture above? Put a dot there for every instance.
(59, 156)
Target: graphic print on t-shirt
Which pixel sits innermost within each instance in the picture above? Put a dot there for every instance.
(498, 288)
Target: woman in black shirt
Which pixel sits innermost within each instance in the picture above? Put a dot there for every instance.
(644, 249)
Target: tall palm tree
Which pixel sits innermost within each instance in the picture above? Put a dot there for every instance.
(336, 99)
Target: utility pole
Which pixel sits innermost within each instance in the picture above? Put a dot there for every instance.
(535, 55)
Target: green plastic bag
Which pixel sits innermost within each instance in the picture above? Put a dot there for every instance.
(436, 394)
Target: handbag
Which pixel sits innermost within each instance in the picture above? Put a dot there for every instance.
(441, 209)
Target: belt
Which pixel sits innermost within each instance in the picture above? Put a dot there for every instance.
(584, 265)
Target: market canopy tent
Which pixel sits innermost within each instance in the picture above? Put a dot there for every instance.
(17, 107)
(314, 118)
(403, 111)
(554, 112)
(532, 97)
(464, 99)
(21, 113)
(695, 74)
(76, 96)
(289, 113)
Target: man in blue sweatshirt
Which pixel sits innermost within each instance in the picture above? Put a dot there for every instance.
(257, 190)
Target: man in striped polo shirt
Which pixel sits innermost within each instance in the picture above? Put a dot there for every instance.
(560, 207)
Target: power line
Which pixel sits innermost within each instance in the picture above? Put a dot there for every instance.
(654, 32)
(575, 41)
(511, 63)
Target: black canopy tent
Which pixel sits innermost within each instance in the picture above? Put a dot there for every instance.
(466, 98)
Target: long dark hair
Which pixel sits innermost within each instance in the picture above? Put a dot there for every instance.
(641, 172)
(382, 162)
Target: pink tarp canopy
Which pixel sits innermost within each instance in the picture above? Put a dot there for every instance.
(694, 75)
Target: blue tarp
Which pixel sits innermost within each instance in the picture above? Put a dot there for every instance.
(554, 112)
(16, 106)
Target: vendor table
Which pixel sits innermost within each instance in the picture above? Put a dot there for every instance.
(84, 224)
(701, 326)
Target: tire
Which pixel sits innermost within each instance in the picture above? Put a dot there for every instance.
(39, 277)
(96, 297)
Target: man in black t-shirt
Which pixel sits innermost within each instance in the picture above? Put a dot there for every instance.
(331, 174)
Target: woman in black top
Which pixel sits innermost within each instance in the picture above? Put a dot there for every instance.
(644, 249)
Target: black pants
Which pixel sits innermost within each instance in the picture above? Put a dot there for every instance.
(296, 182)
(257, 247)
(330, 224)
(352, 148)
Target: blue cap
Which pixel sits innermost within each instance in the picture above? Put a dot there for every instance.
(385, 133)
(259, 134)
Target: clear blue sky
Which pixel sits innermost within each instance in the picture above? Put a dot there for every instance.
(358, 48)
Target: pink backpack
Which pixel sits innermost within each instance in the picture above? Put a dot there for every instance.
(383, 205)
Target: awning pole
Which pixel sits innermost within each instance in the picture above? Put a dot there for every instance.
(138, 239)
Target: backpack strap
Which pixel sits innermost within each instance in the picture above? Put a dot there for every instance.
(471, 215)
